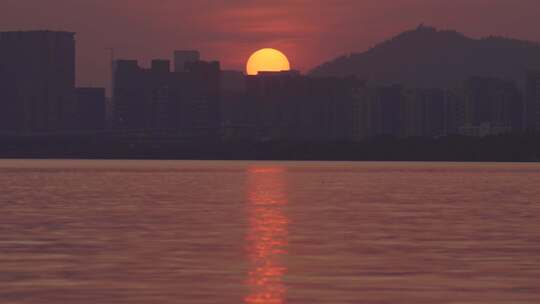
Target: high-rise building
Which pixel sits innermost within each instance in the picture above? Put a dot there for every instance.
(454, 111)
(274, 97)
(40, 69)
(145, 99)
(181, 58)
(532, 107)
(290, 106)
(157, 99)
(200, 113)
(423, 113)
(159, 91)
(329, 103)
(236, 110)
(91, 109)
(11, 109)
(378, 111)
(365, 107)
(390, 100)
(491, 106)
(129, 109)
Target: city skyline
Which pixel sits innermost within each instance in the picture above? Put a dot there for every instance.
(425, 82)
(195, 98)
(230, 31)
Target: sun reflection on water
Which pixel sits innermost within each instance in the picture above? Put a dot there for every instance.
(267, 235)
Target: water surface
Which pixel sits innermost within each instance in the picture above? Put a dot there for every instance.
(268, 232)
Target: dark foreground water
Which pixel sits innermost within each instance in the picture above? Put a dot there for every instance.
(268, 232)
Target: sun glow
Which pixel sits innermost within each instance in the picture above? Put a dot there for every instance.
(267, 60)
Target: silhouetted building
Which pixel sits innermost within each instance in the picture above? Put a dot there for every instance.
(532, 110)
(91, 109)
(492, 106)
(181, 58)
(423, 113)
(365, 106)
(11, 109)
(413, 113)
(289, 106)
(147, 99)
(130, 109)
(273, 96)
(390, 100)
(454, 111)
(200, 99)
(160, 96)
(483, 106)
(38, 72)
(236, 108)
(378, 111)
(395, 111)
(157, 99)
(330, 103)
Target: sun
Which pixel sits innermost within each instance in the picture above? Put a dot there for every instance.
(267, 60)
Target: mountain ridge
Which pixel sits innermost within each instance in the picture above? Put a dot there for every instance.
(428, 57)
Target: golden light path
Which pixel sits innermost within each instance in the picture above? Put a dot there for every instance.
(267, 60)
(267, 236)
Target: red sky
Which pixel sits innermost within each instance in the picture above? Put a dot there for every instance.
(308, 31)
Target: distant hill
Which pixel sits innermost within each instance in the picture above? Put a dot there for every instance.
(427, 57)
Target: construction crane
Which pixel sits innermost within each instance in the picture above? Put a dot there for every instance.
(110, 105)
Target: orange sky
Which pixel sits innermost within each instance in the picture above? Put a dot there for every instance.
(308, 31)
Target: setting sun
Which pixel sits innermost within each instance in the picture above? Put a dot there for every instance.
(267, 60)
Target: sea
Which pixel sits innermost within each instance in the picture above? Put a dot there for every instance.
(128, 231)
